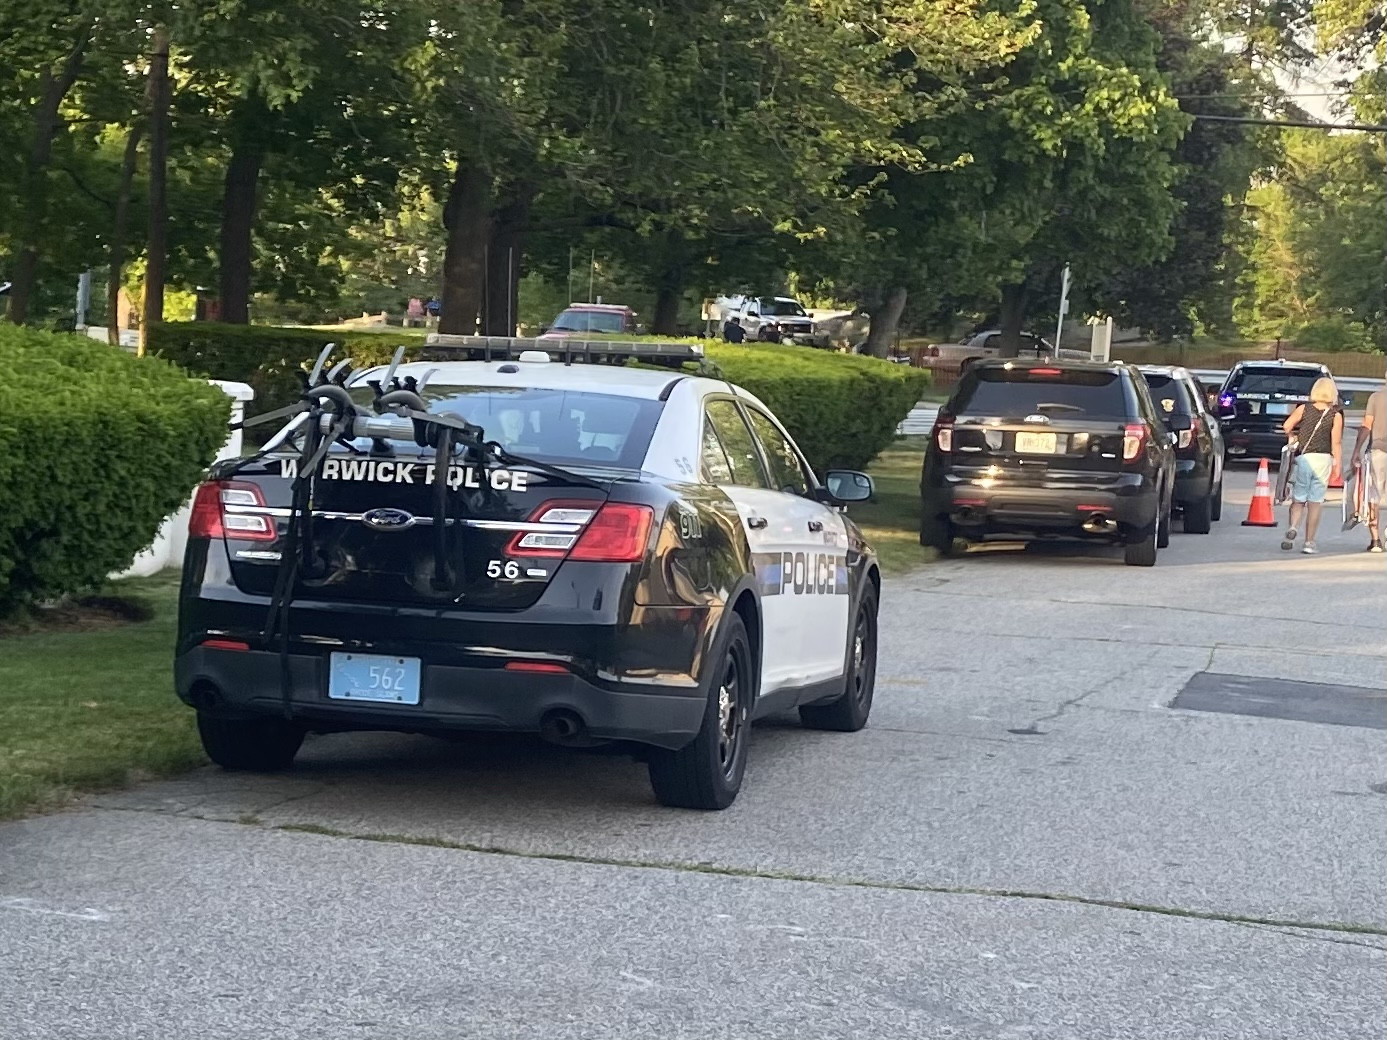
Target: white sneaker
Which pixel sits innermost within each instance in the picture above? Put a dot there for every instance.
(1309, 549)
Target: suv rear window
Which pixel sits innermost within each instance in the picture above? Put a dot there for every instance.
(1172, 396)
(1017, 392)
(1294, 382)
(589, 321)
(564, 427)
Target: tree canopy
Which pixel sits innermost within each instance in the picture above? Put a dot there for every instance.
(925, 161)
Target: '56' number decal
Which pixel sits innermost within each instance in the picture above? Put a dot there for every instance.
(503, 569)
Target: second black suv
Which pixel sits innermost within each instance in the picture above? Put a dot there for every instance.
(1044, 449)
(1179, 400)
(1255, 400)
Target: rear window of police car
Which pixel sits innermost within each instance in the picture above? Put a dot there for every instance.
(1291, 383)
(1171, 395)
(1018, 392)
(564, 427)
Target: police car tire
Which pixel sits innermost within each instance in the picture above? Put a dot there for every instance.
(1199, 516)
(693, 777)
(265, 745)
(1163, 530)
(1142, 552)
(849, 713)
(936, 532)
(1216, 506)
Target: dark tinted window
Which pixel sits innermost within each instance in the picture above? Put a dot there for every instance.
(787, 474)
(1171, 396)
(782, 309)
(1018, 392)
(559, 426)
(738, 444)
(1295, 382)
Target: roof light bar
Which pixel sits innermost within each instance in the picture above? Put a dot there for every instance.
(445, 347)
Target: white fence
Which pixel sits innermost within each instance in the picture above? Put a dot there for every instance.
(172, 539)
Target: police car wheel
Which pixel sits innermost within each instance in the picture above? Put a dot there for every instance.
(937, 532)
(1163, 528)
(849, 713)
(1216, 507)
(707, 772)
(265, 745)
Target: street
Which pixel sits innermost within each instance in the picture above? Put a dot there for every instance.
(1027, 842)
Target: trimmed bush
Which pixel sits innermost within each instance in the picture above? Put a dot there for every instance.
(842, 409)
(97, 447)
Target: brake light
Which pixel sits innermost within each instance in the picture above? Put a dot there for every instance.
(1133, 440)
(536, 667)
(1047, 372)
(617, 534)
(944, 432)
(231, 509)
(1187, 436)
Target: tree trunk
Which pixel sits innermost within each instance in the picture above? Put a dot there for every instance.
(239, 199)
(1015, 299)
(157, 241)
(504, 262)
(885, 320)
(467, 217)
(117, 251)
(669, 286)
(54, 85)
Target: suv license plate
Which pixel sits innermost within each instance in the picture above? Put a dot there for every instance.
(373, 677)
(1036, 443)
(1278, 409)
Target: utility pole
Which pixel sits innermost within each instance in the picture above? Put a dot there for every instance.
(1064, 308)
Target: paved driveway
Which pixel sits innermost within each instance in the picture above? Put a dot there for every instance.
(1029, 842)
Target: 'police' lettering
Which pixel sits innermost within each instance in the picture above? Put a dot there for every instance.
(389, 471)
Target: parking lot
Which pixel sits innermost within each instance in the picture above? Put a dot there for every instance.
(1072, 816)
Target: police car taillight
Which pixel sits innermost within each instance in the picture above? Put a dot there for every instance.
(1133, 440)
(616, 532)
(231, 509)
(944, 432)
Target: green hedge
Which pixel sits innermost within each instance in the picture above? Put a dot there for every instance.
(842, 409)
(96, 448)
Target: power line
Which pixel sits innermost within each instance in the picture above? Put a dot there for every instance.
(1303, 124)
(1277, 95)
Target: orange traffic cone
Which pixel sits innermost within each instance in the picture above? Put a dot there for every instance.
(1259, 513)
(1336, 479)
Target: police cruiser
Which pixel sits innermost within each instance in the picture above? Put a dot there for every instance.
(600, 554)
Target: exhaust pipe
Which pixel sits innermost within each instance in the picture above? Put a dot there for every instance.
(564, 727)
(1097, 523)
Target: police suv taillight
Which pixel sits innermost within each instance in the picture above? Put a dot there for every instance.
(944, 432)
(1133, 440)
(231, 509)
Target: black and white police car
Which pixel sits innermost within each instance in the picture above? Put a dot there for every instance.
(599, 554)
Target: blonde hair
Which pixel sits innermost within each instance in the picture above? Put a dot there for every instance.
(1325, 391)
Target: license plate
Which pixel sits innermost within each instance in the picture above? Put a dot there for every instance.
(1036, 443)
(1278, 409)
(373, 677)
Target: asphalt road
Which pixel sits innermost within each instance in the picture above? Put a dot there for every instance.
(1027, 843)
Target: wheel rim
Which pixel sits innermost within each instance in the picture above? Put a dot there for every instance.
(863, 656)
(731, 715)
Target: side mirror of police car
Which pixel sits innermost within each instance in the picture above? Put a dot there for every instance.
(848, 485)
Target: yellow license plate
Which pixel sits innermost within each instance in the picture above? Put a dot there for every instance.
(1036, 443)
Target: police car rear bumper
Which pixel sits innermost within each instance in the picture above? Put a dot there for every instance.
(1129, 502)
(237, 676)
(1252, 443)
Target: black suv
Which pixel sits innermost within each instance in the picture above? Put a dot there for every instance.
(1179, 398)
(1255, 400)
(1044, 449)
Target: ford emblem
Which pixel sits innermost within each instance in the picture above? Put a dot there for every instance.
(388, 519)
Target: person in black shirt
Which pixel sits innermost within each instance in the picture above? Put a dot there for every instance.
(733, 332)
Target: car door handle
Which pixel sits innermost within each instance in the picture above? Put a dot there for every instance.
(756, 522)
(816, 525)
